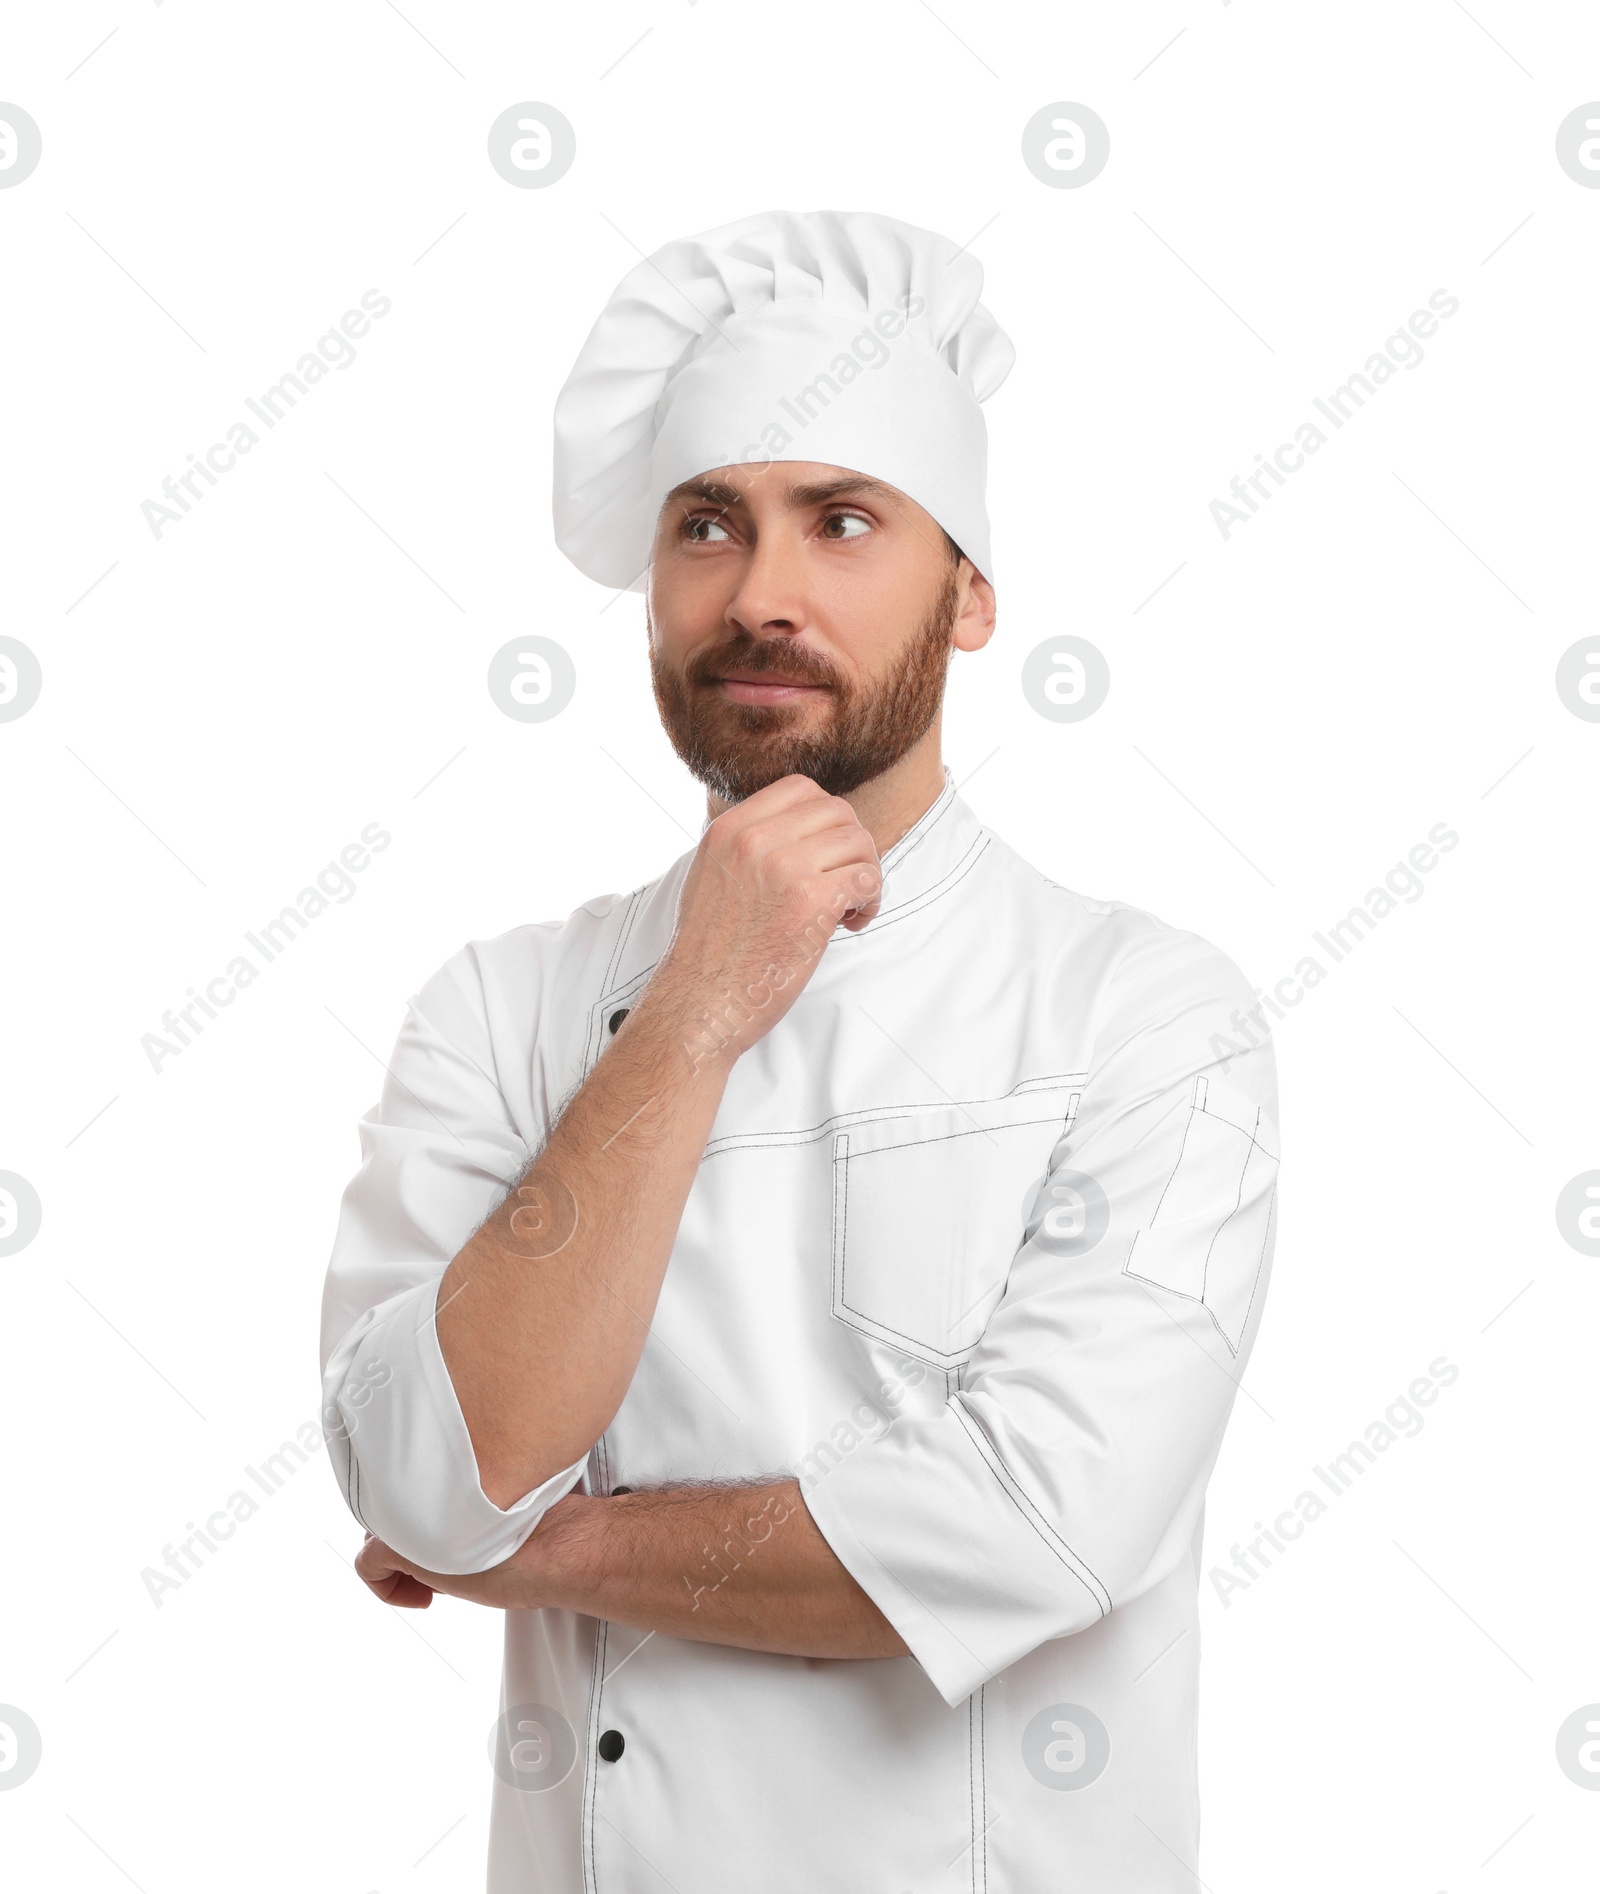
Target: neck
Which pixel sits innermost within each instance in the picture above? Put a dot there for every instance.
(892, 803)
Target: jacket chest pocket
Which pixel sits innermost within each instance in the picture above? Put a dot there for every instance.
(929, 1208)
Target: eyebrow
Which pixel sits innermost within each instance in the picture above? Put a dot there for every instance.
(813, 493)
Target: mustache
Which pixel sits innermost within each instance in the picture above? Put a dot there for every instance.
(774, 659)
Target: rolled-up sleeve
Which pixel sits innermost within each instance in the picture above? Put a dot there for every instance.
(439, 1151)
(1066, 1473)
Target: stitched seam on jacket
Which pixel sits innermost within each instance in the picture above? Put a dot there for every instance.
(1255, 1283)
(355, 1484)
(983, 1776)
(1188, 1126)
(1238, 1201)
(1183, 1295)
(877, 1114)
(597, 1017)
(918, 901)
(625, 934)
(591, 1773)
(1047, 1534)
(972, 1790)
(975, 1131)
(927, 822)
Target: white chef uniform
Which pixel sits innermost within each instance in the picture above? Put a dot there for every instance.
(977, 1250)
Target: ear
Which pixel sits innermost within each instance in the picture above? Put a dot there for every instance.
(974, 625)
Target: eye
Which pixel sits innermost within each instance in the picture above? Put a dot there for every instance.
(690, 528)
(846, 519)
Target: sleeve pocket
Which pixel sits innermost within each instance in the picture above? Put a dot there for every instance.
(1207, 1237)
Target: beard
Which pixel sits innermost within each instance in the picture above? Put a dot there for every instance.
(736, 749)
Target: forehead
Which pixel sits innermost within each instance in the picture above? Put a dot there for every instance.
(792, 484)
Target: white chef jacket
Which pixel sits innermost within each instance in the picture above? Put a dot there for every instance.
(977, 1250)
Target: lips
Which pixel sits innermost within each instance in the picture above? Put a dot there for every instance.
(765, 689)
(767, 677)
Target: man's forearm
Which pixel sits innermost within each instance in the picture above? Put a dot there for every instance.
(736, 1564)
(732, 1564)
(543, 1313)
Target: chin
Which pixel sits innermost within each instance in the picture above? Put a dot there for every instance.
(734, 782)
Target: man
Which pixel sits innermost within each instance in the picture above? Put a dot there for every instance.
(830, 1400)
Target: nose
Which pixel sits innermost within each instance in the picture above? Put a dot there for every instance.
(770, 599)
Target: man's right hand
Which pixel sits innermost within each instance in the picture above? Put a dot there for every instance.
(772, 878)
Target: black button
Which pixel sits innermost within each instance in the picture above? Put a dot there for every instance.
(610, 1746)
(620, 1489)
(617, 1018)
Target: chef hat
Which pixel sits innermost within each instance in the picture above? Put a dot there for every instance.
(834, 336)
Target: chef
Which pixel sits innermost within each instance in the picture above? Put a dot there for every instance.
(806, 1293)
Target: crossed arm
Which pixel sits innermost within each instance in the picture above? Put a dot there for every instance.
(733, 1564)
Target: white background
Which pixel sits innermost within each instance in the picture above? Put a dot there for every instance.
(225, 707)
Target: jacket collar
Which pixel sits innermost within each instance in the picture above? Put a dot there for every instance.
(933, 855)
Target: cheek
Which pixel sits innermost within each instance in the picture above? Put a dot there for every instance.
(871, 611)
(686, 599)
(677, 621)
